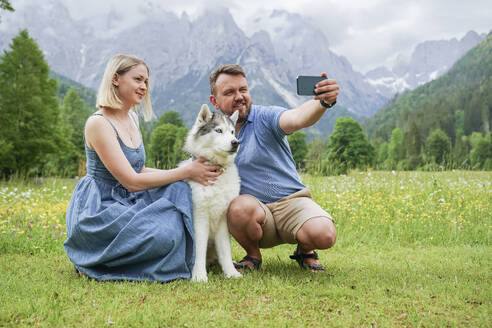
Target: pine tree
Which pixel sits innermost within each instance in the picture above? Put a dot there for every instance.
(5, 5)
(74, 114)
(396, 150)
(459, 122)
(486, 105)
(461, 150)
(29, 107)
(473, 115)
(413, 146)
(7, 160)
(382, 156)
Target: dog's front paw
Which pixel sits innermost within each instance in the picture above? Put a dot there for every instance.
(234, 274)
(199, 277)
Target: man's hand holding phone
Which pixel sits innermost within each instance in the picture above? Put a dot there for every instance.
(322, 88)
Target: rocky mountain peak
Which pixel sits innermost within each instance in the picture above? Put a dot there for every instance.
(428, 61)
(274, 48)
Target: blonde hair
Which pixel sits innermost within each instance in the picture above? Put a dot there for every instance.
(107, 96)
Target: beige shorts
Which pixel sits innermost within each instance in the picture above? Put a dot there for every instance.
(285, 217)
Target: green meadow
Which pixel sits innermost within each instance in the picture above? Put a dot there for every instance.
(413, 250)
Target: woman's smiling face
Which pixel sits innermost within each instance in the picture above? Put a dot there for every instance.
(132, 85)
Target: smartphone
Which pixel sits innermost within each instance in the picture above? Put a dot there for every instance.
(305, 84)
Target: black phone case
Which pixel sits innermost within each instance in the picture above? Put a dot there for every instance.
(305, 84)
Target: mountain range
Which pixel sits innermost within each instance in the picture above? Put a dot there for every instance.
(429, 60)
(459, 102)
(182, 52)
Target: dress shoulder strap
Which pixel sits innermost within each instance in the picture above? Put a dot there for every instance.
(112, 125)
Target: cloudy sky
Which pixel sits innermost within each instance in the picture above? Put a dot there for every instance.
(368, 32)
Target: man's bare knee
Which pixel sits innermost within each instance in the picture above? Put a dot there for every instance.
(318, 233)
(244, 218)
(245, 208)
(325, 239)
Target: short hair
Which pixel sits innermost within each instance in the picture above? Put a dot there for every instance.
(107, 96)
(224, 69)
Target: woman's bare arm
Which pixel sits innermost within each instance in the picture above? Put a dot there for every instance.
(101, 137)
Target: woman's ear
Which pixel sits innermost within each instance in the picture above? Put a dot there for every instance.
(115, 79)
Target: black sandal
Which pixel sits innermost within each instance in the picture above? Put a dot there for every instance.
(243, 266)
(299, 257)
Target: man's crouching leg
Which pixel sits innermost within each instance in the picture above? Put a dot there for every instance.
(245, 218)
(316, 233)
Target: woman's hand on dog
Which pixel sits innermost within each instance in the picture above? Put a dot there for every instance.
(203, 173)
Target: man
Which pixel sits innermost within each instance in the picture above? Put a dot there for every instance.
(273, 207)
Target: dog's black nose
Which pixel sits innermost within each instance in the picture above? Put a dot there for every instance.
(234, 146)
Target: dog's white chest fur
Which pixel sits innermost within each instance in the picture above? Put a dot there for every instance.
(213, 137)
(214, 200)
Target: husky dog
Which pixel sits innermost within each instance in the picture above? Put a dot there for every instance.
(213, 137)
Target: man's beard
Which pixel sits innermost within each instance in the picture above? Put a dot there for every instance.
(243, 118)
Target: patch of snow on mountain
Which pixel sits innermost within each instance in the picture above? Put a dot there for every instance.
(433, 75)
(285, 94)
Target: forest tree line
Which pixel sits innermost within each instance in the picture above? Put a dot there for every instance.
(43, 117)
(442, 124)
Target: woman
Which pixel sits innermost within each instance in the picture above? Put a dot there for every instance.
(126, 221)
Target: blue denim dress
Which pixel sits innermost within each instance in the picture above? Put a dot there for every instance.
(114, 234)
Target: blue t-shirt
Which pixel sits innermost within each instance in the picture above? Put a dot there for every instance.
(265, 163)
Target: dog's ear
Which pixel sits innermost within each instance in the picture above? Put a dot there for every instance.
(234, 117)
(205, 114)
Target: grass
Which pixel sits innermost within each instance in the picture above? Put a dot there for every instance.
(413, 250)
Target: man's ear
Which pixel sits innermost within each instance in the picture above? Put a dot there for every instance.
(213, 100)
(115, 80)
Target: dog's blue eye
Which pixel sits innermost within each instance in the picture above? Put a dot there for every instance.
(218, 130)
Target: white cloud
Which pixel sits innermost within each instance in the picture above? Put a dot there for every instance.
(368, 33)
(371, 33)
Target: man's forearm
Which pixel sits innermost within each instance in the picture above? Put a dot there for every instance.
(310, 112)
(301, 117)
